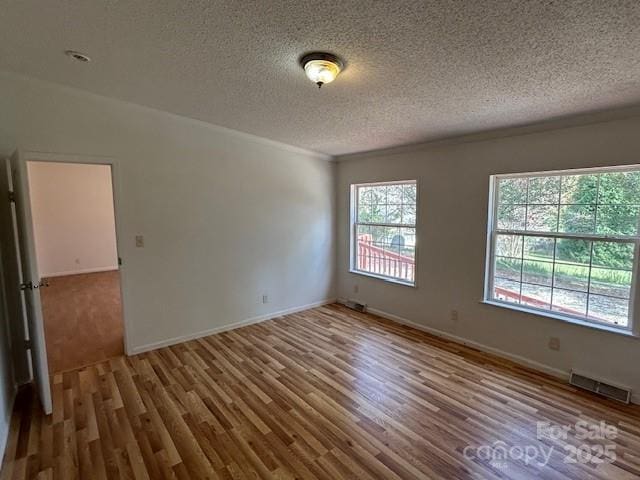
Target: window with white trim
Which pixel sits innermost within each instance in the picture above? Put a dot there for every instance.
(383, 226)
(566, 243)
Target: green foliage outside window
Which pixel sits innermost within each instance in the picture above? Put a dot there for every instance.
(604, 204)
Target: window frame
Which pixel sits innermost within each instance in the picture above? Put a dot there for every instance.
(353, 230)
(633, 327)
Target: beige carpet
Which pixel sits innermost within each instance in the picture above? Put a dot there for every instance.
(82, 319)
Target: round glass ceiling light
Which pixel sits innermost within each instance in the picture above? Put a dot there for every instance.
(321, 67)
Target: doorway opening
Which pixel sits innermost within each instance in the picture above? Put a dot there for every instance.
(74, 230)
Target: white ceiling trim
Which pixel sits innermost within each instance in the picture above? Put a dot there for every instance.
(531, 129)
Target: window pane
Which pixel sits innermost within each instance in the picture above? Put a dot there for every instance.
(394, 213)
(374, 213)
(619, 188)
(579, 189)
(511, 217)
(386, 237)
(577, 252)
(571, 277)
(395, 240)
(364, 195)
(544, 190)
(409, 253)
(536, 296)
(382, 248)
(375, 194)
(569, 302)
(613, 255)
(363, 238)
(364, 231)
(539, 248)
(609, 310)
(617, 219)
(614, 283)
(409, 237)
(384, 254)
(577, 219)
(542, 218)
(512, 191)
(509, 245)
(409, 214)
(506, 290)
(380, 193)
(588, 278)
(394, 194)
(409, 194)
(508, 268)
(364, 212)
(539, 273)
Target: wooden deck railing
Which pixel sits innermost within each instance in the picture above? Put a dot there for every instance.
(377, 260)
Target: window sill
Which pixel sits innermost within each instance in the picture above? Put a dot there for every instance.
(383, 278)
(555, 316)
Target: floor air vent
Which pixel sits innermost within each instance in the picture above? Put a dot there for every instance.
(602, 388)
(358, 307)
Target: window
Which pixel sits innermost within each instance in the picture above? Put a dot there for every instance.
(566, 242)
(383, 225)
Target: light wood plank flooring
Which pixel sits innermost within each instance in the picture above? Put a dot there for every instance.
(326, 393)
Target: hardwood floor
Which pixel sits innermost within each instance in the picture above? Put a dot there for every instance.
(326, 393)
(82, 319)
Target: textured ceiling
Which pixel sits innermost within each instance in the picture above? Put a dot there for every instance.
(416, 70)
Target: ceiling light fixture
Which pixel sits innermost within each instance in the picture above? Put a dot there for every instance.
(81, 57)
(321, 67)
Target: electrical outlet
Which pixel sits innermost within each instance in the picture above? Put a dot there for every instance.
(139, 241)
(454, 315)
(554, 343)
(356, 288)
(265, 298)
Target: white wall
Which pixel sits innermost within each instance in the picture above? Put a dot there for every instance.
(226, 217)
(452, 222)
(73, 219)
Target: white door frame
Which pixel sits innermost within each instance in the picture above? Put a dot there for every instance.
(34, 156)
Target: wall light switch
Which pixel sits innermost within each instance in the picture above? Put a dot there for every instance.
(139, 241)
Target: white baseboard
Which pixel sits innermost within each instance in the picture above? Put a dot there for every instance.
(79, 272)
(224, 328)
(541, 367)
(555, 372)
